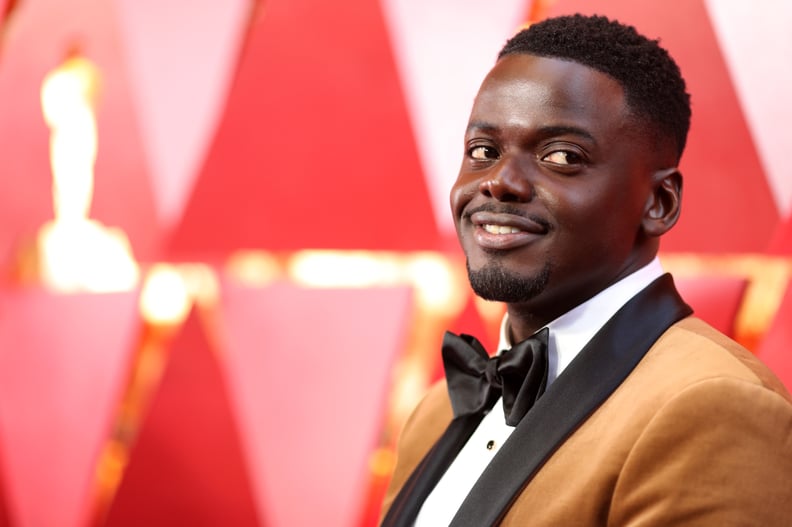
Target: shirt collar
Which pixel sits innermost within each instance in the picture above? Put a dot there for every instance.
(570, 332)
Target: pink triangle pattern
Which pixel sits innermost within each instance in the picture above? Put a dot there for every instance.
(757, 44)
(443, 51)
(180, 84)
(309, 372)
(63, 362)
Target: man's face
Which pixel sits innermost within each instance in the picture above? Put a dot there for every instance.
(553, 185)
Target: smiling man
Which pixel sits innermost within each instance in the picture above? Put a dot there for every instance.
(609, 403)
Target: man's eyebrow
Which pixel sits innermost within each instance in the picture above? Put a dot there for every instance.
(482, 126)
(544, 131)
(552, 131)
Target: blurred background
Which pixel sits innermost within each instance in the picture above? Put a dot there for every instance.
(226, 259)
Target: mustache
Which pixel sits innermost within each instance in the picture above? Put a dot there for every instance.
(505, 208)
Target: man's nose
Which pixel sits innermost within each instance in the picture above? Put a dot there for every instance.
(508, 181)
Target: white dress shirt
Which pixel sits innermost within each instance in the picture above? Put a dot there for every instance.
(569, 333)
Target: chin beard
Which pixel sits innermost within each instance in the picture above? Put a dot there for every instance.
(493, 282)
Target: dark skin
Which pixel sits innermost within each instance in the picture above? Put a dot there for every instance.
(560, 178)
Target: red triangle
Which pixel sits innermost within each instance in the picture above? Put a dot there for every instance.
(781, 243)
(5, 513)
(714, 299)
(776, 347)
(310, 371)
(728, 205)
(186, 466)
(63, 362)
(5, 8)
(315, 148)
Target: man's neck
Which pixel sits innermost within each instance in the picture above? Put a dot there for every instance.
(524, 323)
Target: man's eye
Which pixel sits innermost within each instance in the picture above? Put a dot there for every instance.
(483, 153)
(563, 157)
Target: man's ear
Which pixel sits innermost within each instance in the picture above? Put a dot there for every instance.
(664, 204)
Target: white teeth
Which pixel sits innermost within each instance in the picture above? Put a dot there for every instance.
(500, 229)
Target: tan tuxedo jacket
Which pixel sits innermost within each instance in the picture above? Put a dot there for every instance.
(699, 433)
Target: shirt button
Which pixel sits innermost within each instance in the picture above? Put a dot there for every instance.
(490, 444)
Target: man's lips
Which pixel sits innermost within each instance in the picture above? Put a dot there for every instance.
(501, 231)
(507, 223)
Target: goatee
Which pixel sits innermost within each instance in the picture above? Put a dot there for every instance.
(495, 283)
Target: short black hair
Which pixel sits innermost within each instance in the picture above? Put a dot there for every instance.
(653, 85)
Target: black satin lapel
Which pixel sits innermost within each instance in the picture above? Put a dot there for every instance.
(408, 502)
(592, 376)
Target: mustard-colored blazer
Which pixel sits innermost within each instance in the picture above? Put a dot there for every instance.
(698, 433)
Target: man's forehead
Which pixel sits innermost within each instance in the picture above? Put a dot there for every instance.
(546, 86)
(523, 71)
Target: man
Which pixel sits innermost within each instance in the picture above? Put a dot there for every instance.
(626, 410)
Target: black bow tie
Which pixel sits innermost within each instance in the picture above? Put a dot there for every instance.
(475, 381)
